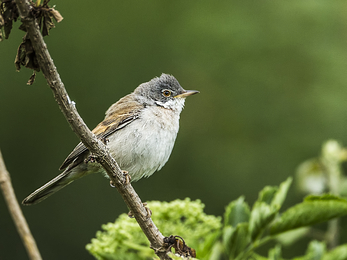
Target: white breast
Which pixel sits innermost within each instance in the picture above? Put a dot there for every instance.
(145, 145)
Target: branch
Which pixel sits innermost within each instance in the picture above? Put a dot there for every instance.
(95, 146)
(16, 213)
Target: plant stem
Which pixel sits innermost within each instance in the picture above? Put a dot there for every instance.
(252, 246)
(16, 213)
(331, 161)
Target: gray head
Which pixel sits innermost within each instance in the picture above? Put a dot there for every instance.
(164, 91)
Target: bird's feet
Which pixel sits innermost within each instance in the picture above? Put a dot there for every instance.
(148, 212)
(90, 159)
(126, 181)
(112, 184)
(127, 177)
(105, 140)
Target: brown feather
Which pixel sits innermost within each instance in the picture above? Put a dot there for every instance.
(119, 115)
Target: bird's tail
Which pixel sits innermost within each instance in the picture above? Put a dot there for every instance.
(49, 188)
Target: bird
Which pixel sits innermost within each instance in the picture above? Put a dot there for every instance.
(139, 131)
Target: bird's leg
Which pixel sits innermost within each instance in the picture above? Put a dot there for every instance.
(148, 215)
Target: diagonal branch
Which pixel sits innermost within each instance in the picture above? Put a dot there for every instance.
(16, 213)
(87, 137)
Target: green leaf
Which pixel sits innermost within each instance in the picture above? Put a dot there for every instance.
(261, 216)
(267, 194)
(275, 253)
(290, 237)
(314, 209)
(236, 212)
(281, 194)
(239, 239)
(327, 196)
(255, 256)
(227, 236)
(206, 248)
(273, 195)
(315, 250)
(338, 253)
(217, 252)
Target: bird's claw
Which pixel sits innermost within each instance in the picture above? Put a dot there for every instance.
(148, 215)
(127, 177)
(90, 159)
(125, 182)
(130, 214)
(149, 212)
(105, 140)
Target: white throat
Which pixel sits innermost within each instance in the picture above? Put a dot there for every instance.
(175, 104)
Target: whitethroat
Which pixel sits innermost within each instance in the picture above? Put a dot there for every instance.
(139, 131)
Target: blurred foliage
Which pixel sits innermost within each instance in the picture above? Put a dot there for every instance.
(324, 173)
(273, 88)
(242, 233)
(125, 240)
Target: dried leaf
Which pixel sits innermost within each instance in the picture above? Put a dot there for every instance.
(26, 56)
(19, 56)
(8, 22)
(47, 23)
(8, 14)
(31, 79)
(57, 16)
(2, 22)
(22, 27)
(45, 30)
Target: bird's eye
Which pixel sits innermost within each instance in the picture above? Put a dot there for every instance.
(166, 93)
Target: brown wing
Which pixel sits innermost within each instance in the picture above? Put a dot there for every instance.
(118, 116)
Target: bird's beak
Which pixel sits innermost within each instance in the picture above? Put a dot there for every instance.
(186, 93)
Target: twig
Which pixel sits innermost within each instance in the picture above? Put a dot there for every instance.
(16, 213)
(87, 137)
(332, 163)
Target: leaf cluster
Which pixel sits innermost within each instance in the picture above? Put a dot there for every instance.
(243, 230)
(42, 13)
(44, 16)
(124, 239)
(8, 14)
(246, 229)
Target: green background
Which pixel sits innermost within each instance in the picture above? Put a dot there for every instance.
(272, 77)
